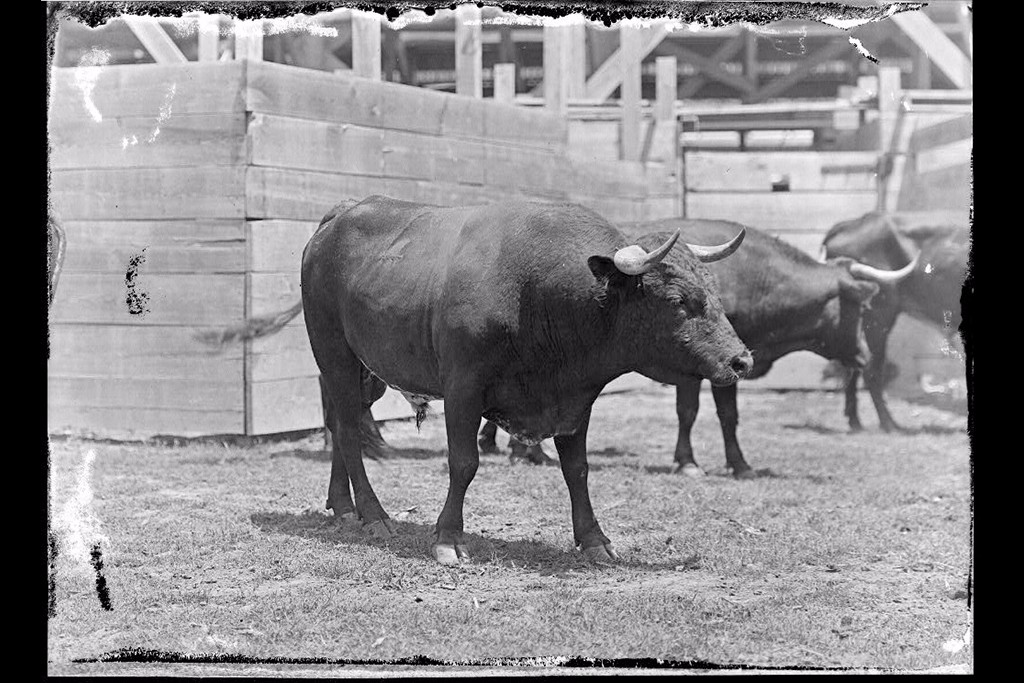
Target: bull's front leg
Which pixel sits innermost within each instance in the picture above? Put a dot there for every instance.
(572, 456)
(729, 418)
(462, 417)
(687, 406)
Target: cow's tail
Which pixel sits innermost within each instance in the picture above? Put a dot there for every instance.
(253, 328)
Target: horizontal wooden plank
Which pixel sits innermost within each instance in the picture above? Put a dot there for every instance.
(594, 140)
(182, 246)
(140, 352)
(302, 195)
(783, 211)
(655, 208)
(427, 157)
(274, 292)
(285, 405)
(149, 193)
(148, 141)
(288, 142)
(276, 245)
(141, 423)
(956, 153)
(341, 98)
(171, 299)
(97, 93)
(127, 392)
(283, 355)
(948, 188)
(757, 171)
(928, 135)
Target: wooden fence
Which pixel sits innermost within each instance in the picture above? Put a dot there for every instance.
(213, 176)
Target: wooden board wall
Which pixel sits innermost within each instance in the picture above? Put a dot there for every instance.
(216, 174)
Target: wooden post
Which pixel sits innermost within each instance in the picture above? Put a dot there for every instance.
(468, 53)
(209, 37)
(505, 83)
(889, 100)
(366, 59)
(630, 47)
(249, 40)
(750, 57)
(556, 85)
(666, 88)
(576, 69)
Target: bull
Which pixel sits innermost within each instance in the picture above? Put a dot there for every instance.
(779, 300)
(931, 293)
(517, 312)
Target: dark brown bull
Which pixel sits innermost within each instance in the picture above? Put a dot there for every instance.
(931, 293)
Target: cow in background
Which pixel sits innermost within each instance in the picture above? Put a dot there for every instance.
(931, 293)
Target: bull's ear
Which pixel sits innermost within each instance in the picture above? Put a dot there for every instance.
(858, 290)
(605, 272)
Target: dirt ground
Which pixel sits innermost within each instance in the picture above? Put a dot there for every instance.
(853, 554)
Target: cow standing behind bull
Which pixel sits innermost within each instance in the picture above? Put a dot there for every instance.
(930, 293)
(517, 312)
(779, 300)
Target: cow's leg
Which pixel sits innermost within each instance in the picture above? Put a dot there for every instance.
(487, 441)
(462, 418)
(343, 387)
(572, 456)
(339, 495)
(729, 418)
(852, 415)
(371, 388)
(876, 333)
(687, 405)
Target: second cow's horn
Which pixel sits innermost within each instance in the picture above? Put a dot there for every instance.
(866, 272)
(710, 254)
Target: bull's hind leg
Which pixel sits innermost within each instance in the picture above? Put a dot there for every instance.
(488, 434)
(852, 415)
(341, 377)
(572, 456)
(687, 405)
(462, 417)
(876, 333)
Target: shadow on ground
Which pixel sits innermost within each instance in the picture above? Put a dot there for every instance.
(413, 541)
(320, 455)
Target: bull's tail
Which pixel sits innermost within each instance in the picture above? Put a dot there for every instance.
(253, 328)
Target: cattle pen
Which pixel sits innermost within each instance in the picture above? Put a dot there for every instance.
(191, 159)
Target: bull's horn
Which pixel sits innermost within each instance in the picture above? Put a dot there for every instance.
(711, 254)
(866, 272)
(633, 260)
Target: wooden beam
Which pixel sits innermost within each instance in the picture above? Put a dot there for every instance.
(249, 40)
(750, 56)
(505, 83)
(157, 43)
(783, 83)
(666, 86)
(630, 46)
(209, 38)
(608, 76)
(366, 50)
(468, 52)
(556, 85)
(727, 50)
(576, 71)
(944, 53)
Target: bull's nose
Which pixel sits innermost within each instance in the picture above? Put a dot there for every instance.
(742, 364)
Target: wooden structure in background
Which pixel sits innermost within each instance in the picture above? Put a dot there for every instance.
(216, 201)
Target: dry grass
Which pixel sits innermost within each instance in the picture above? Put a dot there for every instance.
(855, 554)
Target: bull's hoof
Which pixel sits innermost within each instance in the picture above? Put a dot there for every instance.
(347, 519)
(856, 427)
(536, 456)
(745, 474)
(691, 470)
(382, 528)
(601, 553)
(488, 446)
(451, 555)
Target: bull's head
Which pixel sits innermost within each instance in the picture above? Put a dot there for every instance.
(669, 312)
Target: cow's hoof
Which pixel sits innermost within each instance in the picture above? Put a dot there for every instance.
(537, 456)
(856, 429)
(488, 447)
(348, 519)
(382, 528)
(451, 555)
(601, 553)
(691, 470)
(745, 474)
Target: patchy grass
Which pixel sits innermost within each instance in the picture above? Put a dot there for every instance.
(855, 554)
